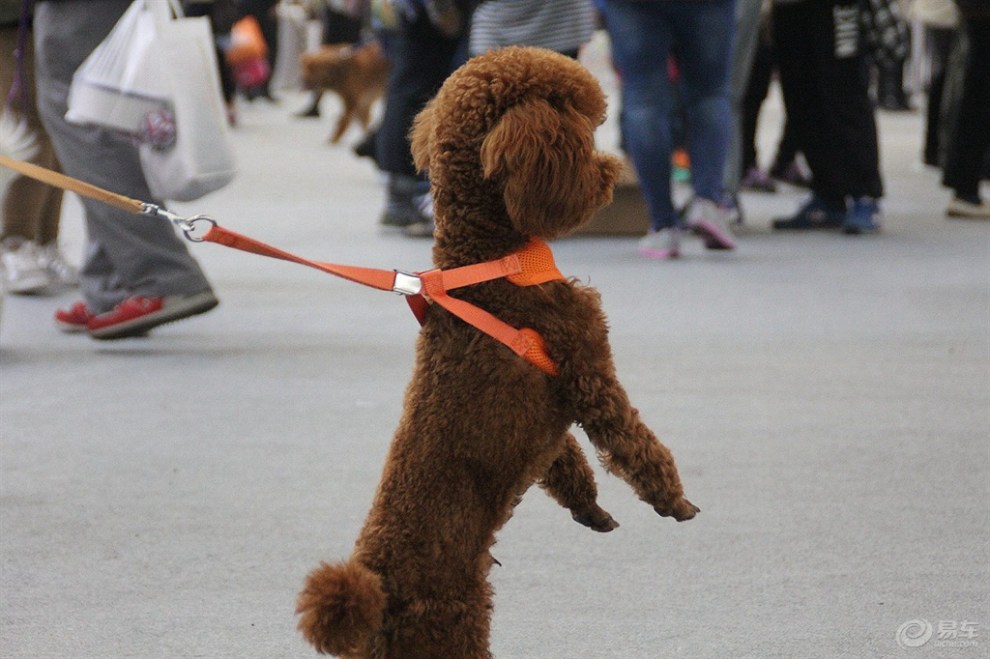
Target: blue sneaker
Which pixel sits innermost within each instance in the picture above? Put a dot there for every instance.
(815, 214)
(863, 217)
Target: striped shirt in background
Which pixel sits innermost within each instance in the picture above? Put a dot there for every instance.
(560, 25)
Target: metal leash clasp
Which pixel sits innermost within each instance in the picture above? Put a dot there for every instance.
(188, 225)
(407, 283)
(194, 233)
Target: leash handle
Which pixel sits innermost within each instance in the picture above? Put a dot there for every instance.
(73, 185)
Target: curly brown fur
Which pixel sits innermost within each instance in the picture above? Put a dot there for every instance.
(356, 73)
(342, 606)
(508, 142)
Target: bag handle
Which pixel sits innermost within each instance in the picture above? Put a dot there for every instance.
(164, 10)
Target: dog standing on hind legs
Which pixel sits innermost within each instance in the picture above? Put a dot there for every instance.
(509, 145)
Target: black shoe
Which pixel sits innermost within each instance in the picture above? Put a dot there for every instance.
(815, 214)
(366, 147)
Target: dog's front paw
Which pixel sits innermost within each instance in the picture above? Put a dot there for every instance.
(680, 509)
(596, 519)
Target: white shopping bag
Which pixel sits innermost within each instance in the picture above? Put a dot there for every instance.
(156, 77)
(121, 80)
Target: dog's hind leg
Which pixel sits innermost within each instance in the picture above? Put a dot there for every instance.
(571, 482)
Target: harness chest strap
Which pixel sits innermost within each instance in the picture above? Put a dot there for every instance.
(529, 266)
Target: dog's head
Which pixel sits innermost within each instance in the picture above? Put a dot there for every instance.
(509, 145)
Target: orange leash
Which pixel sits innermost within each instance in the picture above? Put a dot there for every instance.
(380, 279)
(531, 265)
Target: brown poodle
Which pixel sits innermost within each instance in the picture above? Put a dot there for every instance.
(357, 73)
(509, 145)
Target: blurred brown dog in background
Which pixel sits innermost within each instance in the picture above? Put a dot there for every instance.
(356, 72)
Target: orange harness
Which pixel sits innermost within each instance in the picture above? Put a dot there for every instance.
(531, 265)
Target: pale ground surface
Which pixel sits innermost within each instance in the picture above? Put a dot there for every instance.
(827, 399)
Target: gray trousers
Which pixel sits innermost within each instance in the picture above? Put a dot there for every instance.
(744, 47)
(126, 254)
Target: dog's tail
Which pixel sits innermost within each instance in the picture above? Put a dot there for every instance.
(342, 606)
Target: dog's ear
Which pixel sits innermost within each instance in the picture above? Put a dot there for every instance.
(419, 137)
(545, 159)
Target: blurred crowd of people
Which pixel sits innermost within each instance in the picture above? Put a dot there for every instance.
(694, 75)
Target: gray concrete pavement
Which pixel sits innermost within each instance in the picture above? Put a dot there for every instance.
(827, 398)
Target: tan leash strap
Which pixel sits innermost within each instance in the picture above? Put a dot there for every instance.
(74, 185)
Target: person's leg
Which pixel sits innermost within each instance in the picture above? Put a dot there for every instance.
(796, 27)
(803, 34)
(940, 43)
(25, 201)
(756, 93)
(891, 94)
(421, 60)
(747, 35)
(703, 43)
(971, 138)
(785, 165)
(50, 203)
(842, 150)
(641, 40)
(31, 209)
(138, 255)
(850, 150)
(47, 212)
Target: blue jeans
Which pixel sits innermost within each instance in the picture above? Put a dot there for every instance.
(699, 33)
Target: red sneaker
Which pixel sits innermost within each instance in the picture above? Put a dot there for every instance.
(74, 319)
(137, 315)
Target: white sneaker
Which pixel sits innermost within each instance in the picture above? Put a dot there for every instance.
(662, 244)
(425, 227)
(708, 220)
(22, 274)
(967, 209)
(61, 271)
